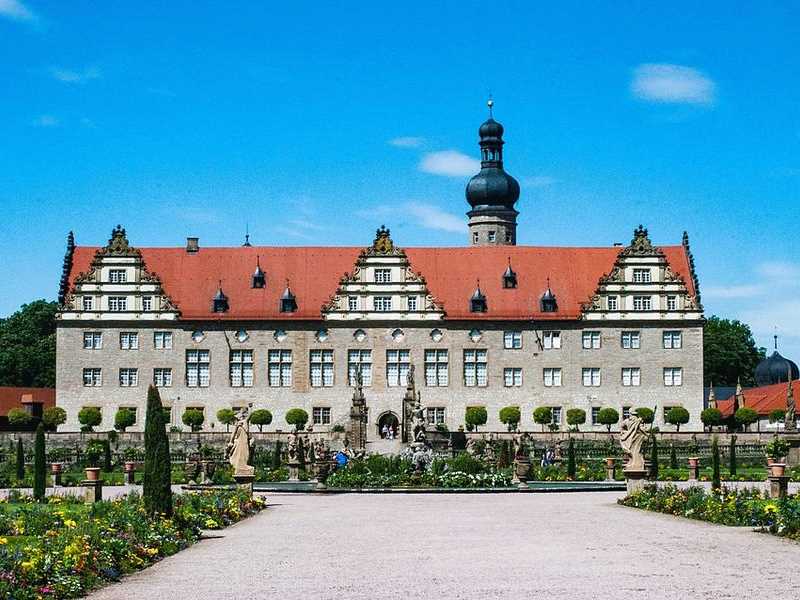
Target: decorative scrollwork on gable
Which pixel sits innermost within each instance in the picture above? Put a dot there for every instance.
(641, 245)
(383, 245)
(118, 245)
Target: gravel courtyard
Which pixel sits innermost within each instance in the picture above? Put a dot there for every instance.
(565, 545)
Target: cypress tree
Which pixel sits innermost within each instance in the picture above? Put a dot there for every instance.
(653, 457)
(39, 472)
(732, 456)
(715, 482)
(20, 460)
(107, 456)
(673, 458)
(156, 490)
(276, 456)
(571, 459)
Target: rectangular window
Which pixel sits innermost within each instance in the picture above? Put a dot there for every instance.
(631, 376)
(383, 275)
(397, 365)
(321, 415)
(591, 339)
(474, 237)
(613, 302)
(383, 303)
(128, 340)
(117, 276)
(630, 340)
(279, 368)
(92, 377)
(128, 377)
(198, 366)
(436, 373)
(412, 303)
(512, 377)
(321, 365)
(362, 359)
(475, 368)
(642, 303)
(556, 415)
(117, 303)
(672, 303)
(626, 412)
(672, 340)
(162, 377)
(162, 340)
(552, 340)
(435, 415)
(492, 237)
(92, 340)
(552, 377)
(241, 368)
(352, 303)
(512, 340)
(673, 376)
(88, 303)
(595, 414)
(641, 275)
(147, 303)
(591, 377)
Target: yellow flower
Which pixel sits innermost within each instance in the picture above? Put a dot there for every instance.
(3, 541)
(152, 551)
(26, 565)
(70, 523)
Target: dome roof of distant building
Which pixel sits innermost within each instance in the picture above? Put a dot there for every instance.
(775, 369)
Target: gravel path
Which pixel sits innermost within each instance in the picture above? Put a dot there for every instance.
(573, 545)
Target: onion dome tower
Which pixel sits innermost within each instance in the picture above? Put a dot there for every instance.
(775, 369)
(492, 193)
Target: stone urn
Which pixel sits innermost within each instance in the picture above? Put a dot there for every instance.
(694, 468)
(777, 469)
(611, 465)
(130, 471)
(92, 473)
(770, 460)
(55, 471)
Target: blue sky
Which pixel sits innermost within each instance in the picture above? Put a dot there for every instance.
(316, 122)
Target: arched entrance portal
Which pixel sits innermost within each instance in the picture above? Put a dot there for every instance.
(390, 421)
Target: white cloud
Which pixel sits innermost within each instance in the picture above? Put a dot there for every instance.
(46, 121)
(672, 84)
(538, 181)
(306, 225)
(779, 271)
(433, 217)
(407, 142)
(13, 9)
(450, 163)
(72, 76)
(781, 314)
(732, 291)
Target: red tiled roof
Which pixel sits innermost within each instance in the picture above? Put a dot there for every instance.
(12, 397)
(763, 399)
(191, 279)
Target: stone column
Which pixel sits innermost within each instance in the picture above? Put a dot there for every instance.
(611, 468)
(694, 468)
(130, 473)
(778, 486)
(55, 471)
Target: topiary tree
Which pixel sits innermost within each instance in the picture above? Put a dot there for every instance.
(745, 417)
(39, 465)
(261, 417)
(20, 460)
(576, 417)
(124, 418)
(276, 456)
(193, 418)
(715, 480)
(571, 467)
(107, 467)
(54, 416)
(711, 417)
(475, 416)
(90, 417)
(543, 415)
(777, 416)
(18, 417)
(156, 488)
(227, 417)
(510, 417)
(647, 415)
(677, 415)
(653, 456)
(297, 417)
(732, 456)
(608, 417)
(673, 458)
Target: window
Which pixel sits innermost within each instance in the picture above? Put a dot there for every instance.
(436, 373)
(397, 365)
(509, 237)
(279, 368)
(412, 303)
(552, 377)
(147, 303)
(435, 415)
(321, 415)
(630, 340)
(642, 303)
(352, 303)
(626, 412)
(241, 368)
(88, 303)
(475, 368)
(591, 377)
(383, 275)
(512, 340)
(591, 339)
(595, 414)
(92, 377)
(673, 376)
(162, 340)
(672, 340)
(383, 303)
(321, 365)
(556, 415)
(92, 340)
(162, 377)
(117, 303)
(128, 340)
(492, 237)
(672, 303)
(552, 340)
(512, 377)
(362, 359)
(631, 376)
(128, 377)
(198, 363)
(641, 275)
(613, 302)
(117, 276)
(474, 237)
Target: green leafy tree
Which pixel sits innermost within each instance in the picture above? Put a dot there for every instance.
(732, 456)
(715, 479)
(19, 418)
(576, 417)
(227, 417)
(90, 417)
(28, 346)
(261, 417)
(677, 415)
(653, 457)
(711, 417)
(107, 466)
(777, 415)
(54, 416)
(729, 352)
(297, 417)
(647, 415)
(510, 417)
(124, 418)
(475, 416)
(39, 464)
(276, 456)
(543, 415)
(608, 417)
(20, 460)
(193, 418)
(571, 466)
(745, 417)
(156, 490)
(673, 457)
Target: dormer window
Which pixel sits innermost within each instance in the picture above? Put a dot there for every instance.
(477, 303)
(509, 278)
(117, 276)
(259, 279)
(548, 302)
(220, 302)
(288, 300)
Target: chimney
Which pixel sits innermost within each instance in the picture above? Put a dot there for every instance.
(192, 244)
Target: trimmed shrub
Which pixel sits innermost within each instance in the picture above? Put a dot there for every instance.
(647, 415)
(18, 417)
(475, 416)
(156, 489)
(39, 464)
(124, 418)
(715, 480)
(20, 460)
(745, 417)
(276, 456)
(673, 458)
(261, 417)
(677, 415)
(193, 418)
(711, 417)
(227, 417)
(571, 467)
(576, 417)
(54, 416)
(732, 456)
(90, 417)
(777, 415)
(608, 417)
(297, 417)
(107, 467)
(653, 457)
(510, 416)
(543, 415)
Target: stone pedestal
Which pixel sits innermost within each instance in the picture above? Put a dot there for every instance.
(694, 468)
(294, 471)
(778, 486)
(92, 490)
(522, 466)
(635, 479)
(611, 469)
(130, 473)
(245, 483)
(793, 457)
(55, 471)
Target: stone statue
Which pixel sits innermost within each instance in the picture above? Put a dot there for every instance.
(790, 420)
(418, 422)
(410, 377)
(293, 448)
(631, 437)
(238, 449)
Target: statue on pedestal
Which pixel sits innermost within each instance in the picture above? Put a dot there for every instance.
(238, 449)
(790, 420)
(631, 437)
(418, 422)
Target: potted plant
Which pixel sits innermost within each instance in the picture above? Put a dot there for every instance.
(777, 449)
(92, 473)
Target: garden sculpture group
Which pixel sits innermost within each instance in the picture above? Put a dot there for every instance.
(631, 437)
(419, 452)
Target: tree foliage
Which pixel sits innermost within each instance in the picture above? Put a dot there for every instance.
(20, 460)
(28, 346)
(653, 456)
(732, 456)
(571, 467)
(19, 417)
(715, 479)
(39, 464)
(608, 417)
(576, 417)
(475, 416)
(677, 415)
(54, 416)
(297, 417)
(227, 417)
(711, 417)
(777, 415)
(729, 353)
(261, 417)
(510, 416)
(124, 418)
(647, 415)
(543, 415)
(90, 417)
(745, 416)
(193, 418)
(156, 490)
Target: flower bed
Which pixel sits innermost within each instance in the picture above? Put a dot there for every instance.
(64, 548)
(743, 507)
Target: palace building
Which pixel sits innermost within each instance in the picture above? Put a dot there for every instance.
(489, 324)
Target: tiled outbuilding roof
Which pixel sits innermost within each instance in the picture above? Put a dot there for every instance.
(14, 397)
(762, 399)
